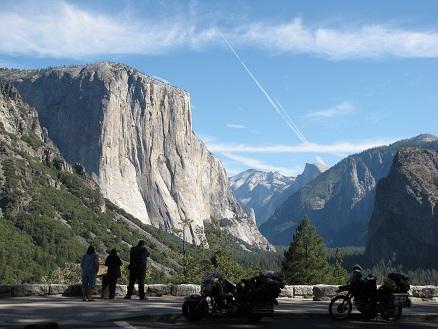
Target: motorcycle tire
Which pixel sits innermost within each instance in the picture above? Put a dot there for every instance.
(192, 311)
(340, 311)
(392, 315)
(252, 318)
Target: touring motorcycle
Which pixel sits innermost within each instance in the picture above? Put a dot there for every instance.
(253, 298)
(388, 300)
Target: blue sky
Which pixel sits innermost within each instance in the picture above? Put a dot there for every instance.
(329, 78)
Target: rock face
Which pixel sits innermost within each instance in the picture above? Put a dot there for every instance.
(340, 201)
(262, 192)
(16, 117)
(404, 224)
(134, 135)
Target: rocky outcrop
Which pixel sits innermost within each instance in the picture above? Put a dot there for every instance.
(16, 117)
(310, 172)
(340, 201)
(404, 224)
(262, 192)
(134, 135)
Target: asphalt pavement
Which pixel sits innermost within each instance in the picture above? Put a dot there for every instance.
(165, 312)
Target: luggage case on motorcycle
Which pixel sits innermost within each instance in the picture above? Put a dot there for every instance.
(400, 299)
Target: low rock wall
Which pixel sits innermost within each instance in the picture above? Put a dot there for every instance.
(315, 292)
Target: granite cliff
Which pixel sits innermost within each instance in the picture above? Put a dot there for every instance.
(134, 135)
(340, 201)
(404, 224)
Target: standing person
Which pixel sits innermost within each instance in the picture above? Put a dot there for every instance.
(113, 262)
(89, 266)
(137, 269)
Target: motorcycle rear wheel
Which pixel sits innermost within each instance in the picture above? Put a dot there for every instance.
(192, 310)
(254, 317)
(393, 314)
(340, 307)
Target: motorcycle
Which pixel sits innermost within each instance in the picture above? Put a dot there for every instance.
(253, 298)
(388, 300)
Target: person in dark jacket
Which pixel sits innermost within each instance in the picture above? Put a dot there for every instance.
(137, 269)
(113, 262)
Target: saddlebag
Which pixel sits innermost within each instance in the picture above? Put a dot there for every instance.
(401, 300)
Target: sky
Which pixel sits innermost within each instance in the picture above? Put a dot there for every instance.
(273, 84)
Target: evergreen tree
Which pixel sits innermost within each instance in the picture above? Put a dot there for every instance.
(340, 274)
(305, 262)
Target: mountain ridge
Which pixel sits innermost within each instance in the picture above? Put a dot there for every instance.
(340, 201)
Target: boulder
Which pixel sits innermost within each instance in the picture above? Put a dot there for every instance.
(185, 289)
(5, 290)
(121, 290)
(158, 289)
(57, 289)
(303, 291)
(424, 291)
(324, 291)
(287, 291)
(22, 290)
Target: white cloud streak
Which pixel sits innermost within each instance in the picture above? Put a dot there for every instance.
(236, 126)
(60, 29)
(254, 163)
(343, 108)
(340, 148)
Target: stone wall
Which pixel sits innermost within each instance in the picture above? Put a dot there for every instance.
(317, 292)
(24, 290)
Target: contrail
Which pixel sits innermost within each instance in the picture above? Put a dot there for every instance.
(284, 115)
(298, 131)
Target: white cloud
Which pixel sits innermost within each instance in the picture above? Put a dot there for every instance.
(254, 163)
(339, 43)
(236, 126)
(60, 29)
(65, 30)
(343, 108)
(340, 148)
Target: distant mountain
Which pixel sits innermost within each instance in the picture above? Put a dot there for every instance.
(404, 224)
(260, 193)
(340, 201)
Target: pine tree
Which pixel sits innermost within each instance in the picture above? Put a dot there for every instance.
(339, 272)
(306, 261)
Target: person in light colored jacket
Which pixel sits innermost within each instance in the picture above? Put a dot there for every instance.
(89, 266)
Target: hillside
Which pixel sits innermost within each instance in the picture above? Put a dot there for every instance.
(340, 201)
(404, 224)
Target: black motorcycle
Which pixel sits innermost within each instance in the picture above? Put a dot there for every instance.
(388, 300)
(253, 298)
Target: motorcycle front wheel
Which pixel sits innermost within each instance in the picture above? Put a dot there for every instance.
(193, 310)
(340, 307)
(392, 314)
